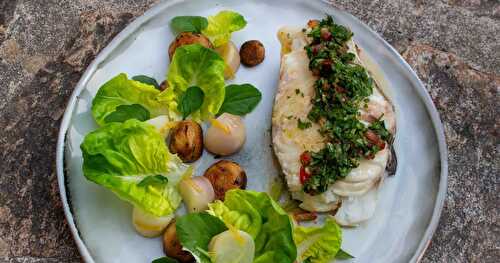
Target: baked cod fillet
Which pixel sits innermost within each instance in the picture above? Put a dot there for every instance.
(355, 196)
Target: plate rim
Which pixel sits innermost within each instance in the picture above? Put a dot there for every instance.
(158, 8)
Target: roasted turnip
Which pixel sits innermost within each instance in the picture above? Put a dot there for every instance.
(229, 52)
(147, 224)
(226, 135)
(232, 246)
(197, 192)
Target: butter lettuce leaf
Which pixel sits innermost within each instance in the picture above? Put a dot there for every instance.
(318, 244)
(249, 221)
(257, 214)
(195, 230)
(195, 65)
(132, 160)
(221, 26)
(343, 255)
(115, 99)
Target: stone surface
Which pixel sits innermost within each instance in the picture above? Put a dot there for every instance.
(453, 45)
(468, 101)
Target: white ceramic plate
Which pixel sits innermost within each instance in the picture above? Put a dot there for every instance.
(409, 203)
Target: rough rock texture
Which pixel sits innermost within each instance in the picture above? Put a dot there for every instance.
(468, 100)
(44, 47)
(453, 45)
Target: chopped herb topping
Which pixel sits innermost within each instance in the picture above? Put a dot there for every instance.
(378, 127)
(303, 124)
(342, 88)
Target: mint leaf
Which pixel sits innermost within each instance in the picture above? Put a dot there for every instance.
(195, 230)
(191, 101)
(147, 80)
(240, 99)
(155, 180)
(343, 255)
(189, 24)
(127, 112)
(165, 260)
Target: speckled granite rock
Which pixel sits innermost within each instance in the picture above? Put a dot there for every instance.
(43, 52)
(44, 47)
(468, 101)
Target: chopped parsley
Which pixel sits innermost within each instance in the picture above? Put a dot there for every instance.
(378, 127)
(341, 89)
(303, 124)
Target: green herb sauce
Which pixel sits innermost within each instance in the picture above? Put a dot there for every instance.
(341, 90)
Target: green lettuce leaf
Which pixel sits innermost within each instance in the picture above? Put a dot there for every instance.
(221, 26)
(318, 244)
(257, 214)
(343, 255)
(195, 230)
(195, 65)
(116, 99)
(131, 159)
(249, 221)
